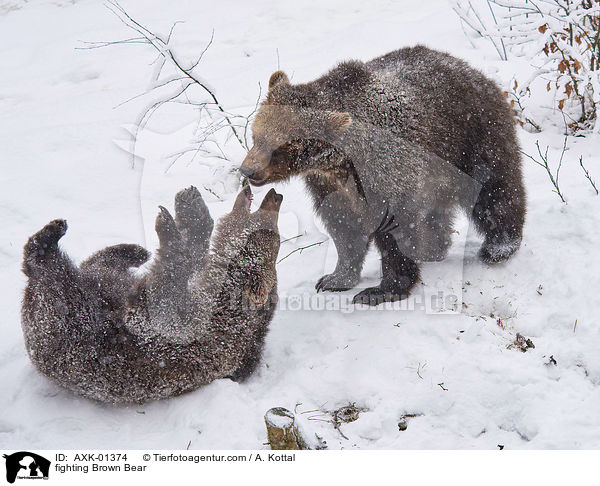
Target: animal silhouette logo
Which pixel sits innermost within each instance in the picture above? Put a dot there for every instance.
(26, 464)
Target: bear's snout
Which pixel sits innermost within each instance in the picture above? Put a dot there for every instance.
(246, 171)
(255, 168)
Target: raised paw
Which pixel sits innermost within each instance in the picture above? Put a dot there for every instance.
(377, 295)
(43, 246)
(168, 234)
(122, 257)
(49, 235)
(193, 221)
(337, 282)
(134, 255)
(190, 207)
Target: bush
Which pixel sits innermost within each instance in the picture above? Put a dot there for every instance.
(561, 40)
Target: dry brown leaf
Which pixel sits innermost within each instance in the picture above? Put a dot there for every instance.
(562, 66)
(568, 89)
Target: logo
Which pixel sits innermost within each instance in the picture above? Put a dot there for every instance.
(26, 465)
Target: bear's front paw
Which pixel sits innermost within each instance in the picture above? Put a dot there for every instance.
(377, 295)
(337, 282)
(193, 220)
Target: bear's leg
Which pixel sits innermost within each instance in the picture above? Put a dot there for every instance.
(499, 214)
(171, 268)
(165, 286)
(171, 245)
(41, 254)
(120, 257)
(194, 223)
(400, 273)
(437, 235)
(351, 248)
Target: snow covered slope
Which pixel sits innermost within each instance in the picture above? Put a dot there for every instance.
(60, 139)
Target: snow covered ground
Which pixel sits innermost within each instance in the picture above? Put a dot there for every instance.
(61, 141)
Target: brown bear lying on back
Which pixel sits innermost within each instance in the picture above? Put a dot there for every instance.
(196, 316)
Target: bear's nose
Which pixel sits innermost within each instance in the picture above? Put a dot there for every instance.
(246, 171)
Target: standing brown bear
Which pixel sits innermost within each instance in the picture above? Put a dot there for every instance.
(389, 150)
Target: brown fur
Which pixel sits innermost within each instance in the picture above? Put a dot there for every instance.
(196, 316)
(389, 149)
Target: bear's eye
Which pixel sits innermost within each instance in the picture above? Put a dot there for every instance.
(278, 155)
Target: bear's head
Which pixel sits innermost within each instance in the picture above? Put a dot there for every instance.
(290, 137)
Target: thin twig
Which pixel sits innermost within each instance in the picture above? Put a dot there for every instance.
(505, 58)
(587, 175)
(293, 237)
(301, 249)
(161, 45)
(543, 162)
(249, 117)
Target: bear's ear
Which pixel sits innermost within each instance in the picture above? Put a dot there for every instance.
(337, 122)
(261, 284)
(278, 77)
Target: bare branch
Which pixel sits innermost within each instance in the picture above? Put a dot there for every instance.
(166, 55)
(301, 249)
(543, 162)
(587, 175)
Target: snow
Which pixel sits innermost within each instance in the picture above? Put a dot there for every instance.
(62, 145)
(279, 418)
